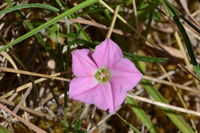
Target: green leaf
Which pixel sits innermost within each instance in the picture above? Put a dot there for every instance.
(173, 116)
(186, 39)
(157, 16)
(144, 58)
(86, 43)
(130, 125)
(49, 23)
(4, 130)
(142, 115)
(148, 27)
(145, 9)
(42, 6)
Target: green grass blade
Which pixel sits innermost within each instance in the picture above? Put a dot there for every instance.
(78, 27)
(130, 125)
(197, 70)
(148, 27)
(42, 6)
(185, 36)
(174, 117)
(142, 115)
(4, 130)
(50, 22)
(144, 58)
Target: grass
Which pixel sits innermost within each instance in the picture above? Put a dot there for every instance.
(37, 39)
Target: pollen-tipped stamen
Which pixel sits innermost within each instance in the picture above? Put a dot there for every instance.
(102, 75)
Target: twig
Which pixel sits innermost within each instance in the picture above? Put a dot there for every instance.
(25, 86)
(171, 84)
(99, 123)
(32, 74)
(181, 46)
(173, 51)
(27, 123)
(113, 22)
(22, 100)
(179, 96)
(28, 110)
(167, 106)
(7, 56)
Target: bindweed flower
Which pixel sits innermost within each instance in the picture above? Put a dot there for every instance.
(103, 77)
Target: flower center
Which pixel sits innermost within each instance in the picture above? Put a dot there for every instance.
(102, 75)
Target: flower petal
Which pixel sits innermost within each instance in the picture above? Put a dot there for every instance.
(101, 96)
(119, 94)
(82, 64)
(107, 53)
(125, 74)
(108, 95)
(81, 84)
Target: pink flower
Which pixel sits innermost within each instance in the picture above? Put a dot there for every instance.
(103, 77)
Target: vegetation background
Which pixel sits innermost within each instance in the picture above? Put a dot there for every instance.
(162, 37)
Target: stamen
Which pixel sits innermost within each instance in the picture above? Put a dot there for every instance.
(102, 75)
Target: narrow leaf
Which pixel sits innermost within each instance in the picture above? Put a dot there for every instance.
(43, 6)
(144, 58)
(4, 130)
(49, 23)
(185, 36)
(174, 117)
(142, 115)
